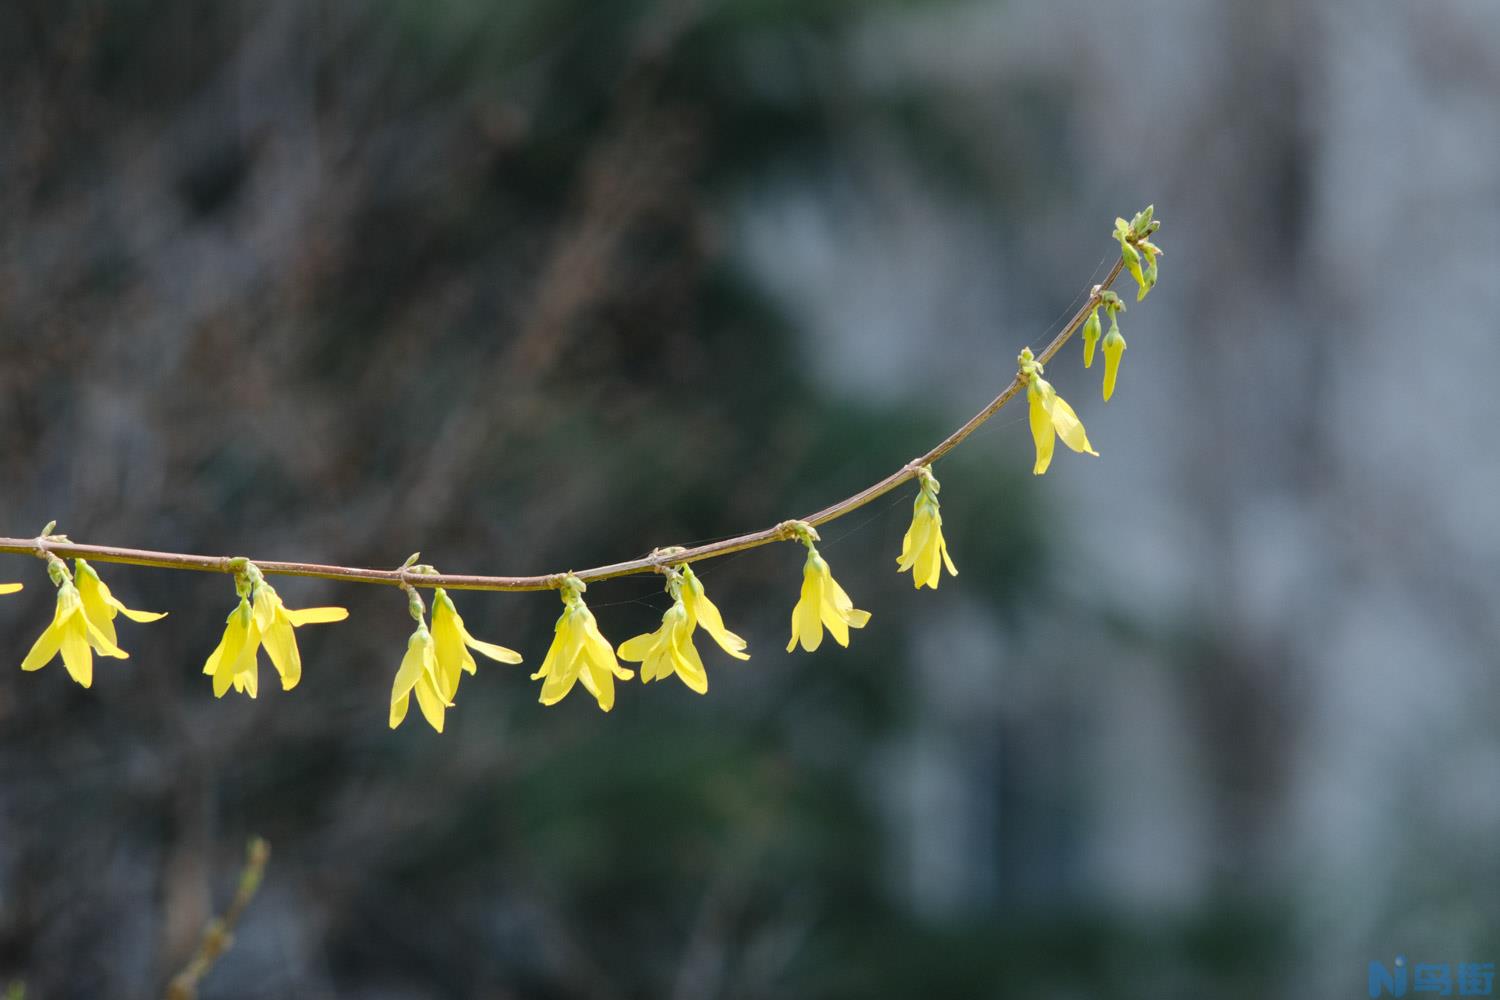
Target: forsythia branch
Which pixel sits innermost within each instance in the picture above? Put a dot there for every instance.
(48, 546)
(438, 656)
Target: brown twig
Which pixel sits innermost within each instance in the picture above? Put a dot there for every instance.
(218, 936)
(42, 547)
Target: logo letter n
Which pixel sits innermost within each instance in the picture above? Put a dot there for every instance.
(1383, 980)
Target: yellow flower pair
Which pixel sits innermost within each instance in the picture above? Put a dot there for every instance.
(1051, 416)
(435, 661)
(579, 652)
(259, 621)
(82, 624)
(670, 650)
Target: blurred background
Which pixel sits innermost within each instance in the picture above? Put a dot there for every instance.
(542, 284)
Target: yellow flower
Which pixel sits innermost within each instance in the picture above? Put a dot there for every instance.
(452, 642)
(260, 619)
(101, 606)
(702, 611)
(1050, 414)
(669, 650)
(72, 634)
(823, 603)
(579, 652)
(11, 588)
(232, 663)
(419, 672)
(274, 622)
(923, 550)
(1114, 346)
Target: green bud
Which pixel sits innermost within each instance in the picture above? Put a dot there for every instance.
(1090, 337)
(1142, 220)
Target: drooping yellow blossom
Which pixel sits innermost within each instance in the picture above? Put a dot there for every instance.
(73, 635)
(419, 673)
(260, 619)
(702, 611)
(275, 621)
(823, 603)
(233, 661)
(101, 606)
(1114, 346)
(451, 645)
(1050, 414)
(669, 650)
(579, 652)
(923, 550)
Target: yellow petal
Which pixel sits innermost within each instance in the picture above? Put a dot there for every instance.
(604, 653)
(809, 626)
(431, 704)
(952, 569)
(687, 663)
(248, 681)
(928, 570)
(96, 598)
(561, 667)
(500, 654)
(637, 649)
(904, 560)
(102, 642)
(314, 616)
(266, 601)
(1068, 427)
(838, 612)
(101, 605)
(837, 626)
(1042, 433)
(140, 616)
(44, 649)
(447, 646)
(76, 654)
(281, 645)
(554, 653)
(600, 668)
(704, 612)
(11, 588)
(236, 626)
(429, 699)
(398, 709)
(412, 665)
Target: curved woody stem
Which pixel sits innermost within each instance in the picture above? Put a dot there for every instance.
(45, 546)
